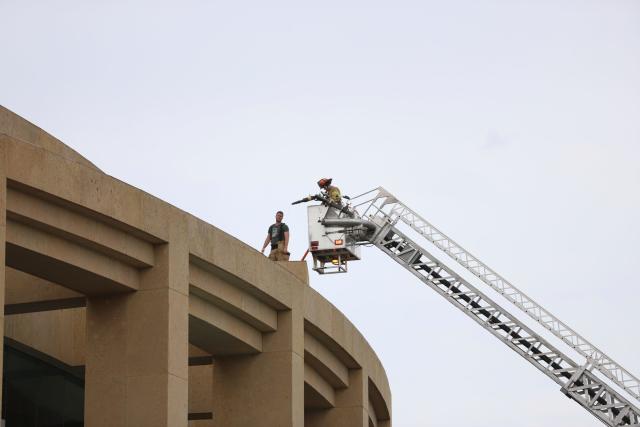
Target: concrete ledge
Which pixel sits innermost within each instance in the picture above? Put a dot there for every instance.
(322, 394)
(280, 299)
(237, 302)
(45, 255)
(325, 362)
(24, 288)
(218, 332)
(82, 229)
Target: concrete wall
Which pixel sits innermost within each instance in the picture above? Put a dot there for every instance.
(175, 322)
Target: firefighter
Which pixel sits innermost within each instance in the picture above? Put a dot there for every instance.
(278, 236)
(332, 192)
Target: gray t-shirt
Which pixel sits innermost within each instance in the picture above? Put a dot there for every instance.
(276, 231)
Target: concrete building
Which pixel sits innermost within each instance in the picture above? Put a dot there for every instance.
(122, 310)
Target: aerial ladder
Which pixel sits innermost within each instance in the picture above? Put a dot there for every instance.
(337, 231)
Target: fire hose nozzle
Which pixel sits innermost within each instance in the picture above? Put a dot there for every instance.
(306, 199)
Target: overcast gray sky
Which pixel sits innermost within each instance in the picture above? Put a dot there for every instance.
(514, 126)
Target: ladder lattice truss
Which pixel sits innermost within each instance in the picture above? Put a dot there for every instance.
(577, 381)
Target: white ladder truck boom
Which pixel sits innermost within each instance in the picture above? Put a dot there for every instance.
(336, 231)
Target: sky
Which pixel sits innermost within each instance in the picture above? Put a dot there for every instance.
(513, 126)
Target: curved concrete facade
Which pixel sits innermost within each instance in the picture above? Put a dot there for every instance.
(175, 322)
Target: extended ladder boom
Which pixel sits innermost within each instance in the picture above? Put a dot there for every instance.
(577, 382)
(385, 205)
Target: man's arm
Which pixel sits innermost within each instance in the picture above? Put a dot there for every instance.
(266, 242)
(286, 241)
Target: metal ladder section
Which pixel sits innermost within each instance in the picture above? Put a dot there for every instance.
(385, 205)
(578, 383)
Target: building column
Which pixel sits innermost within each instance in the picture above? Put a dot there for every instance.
(3, 244)
(351, 408)
(137, 346)
(266, 389)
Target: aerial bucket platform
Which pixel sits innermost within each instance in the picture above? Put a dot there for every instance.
(584, 373)
(331, 247)
(336, 233)
(335, 236)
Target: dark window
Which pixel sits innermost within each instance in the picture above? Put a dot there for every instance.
(38, 391)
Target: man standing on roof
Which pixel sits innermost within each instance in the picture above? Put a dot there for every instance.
(333, 192)
(278, 235)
